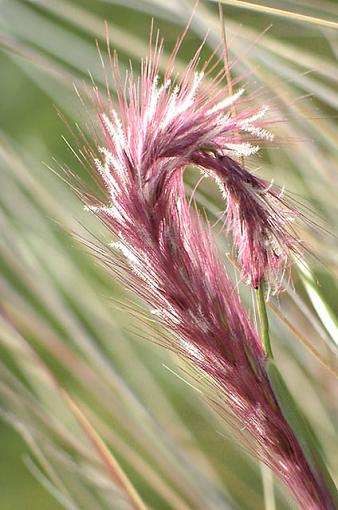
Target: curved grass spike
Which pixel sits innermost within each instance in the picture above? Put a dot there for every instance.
(167, 255)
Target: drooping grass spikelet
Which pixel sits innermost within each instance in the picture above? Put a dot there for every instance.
(171, 258)
(163, 126)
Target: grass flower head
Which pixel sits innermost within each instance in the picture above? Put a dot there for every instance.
(161, 127)
(172, 262)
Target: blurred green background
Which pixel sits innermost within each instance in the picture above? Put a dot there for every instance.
(56, 309)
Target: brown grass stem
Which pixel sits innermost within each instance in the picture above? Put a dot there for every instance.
(113, 467)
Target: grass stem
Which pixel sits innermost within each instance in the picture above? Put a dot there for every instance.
(268, 488)
(112, 465)
(263, 320)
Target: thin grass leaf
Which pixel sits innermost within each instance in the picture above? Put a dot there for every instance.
(290, 15)
(324, 312)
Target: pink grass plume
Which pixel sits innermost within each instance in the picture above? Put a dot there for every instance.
(162, 127)
(139, 158)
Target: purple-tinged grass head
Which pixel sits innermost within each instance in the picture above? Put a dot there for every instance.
(170, 256)
(161, 126)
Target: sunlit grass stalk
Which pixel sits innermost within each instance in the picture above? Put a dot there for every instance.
(113, 467)
(290, 15)
(268, 487)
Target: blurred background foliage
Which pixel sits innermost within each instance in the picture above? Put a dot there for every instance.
(63, 318)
